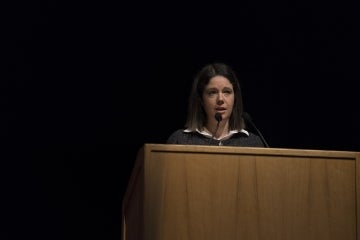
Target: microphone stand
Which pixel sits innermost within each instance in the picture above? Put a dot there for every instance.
(218, 119)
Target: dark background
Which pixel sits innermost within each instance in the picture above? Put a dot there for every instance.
(88, 83)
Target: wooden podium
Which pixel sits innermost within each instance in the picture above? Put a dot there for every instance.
(193, 192)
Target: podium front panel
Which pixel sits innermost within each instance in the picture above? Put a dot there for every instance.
(205, 192)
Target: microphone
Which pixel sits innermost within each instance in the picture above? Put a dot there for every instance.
(218, 118)
(247, 118)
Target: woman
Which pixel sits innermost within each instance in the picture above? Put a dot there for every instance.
(215, 111)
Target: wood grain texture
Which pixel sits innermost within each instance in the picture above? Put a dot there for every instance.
(204, 192)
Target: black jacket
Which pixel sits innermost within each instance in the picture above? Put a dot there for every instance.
(195, 138)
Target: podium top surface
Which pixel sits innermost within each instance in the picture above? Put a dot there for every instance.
(249, 150)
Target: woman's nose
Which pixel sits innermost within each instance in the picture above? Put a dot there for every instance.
(220, 98)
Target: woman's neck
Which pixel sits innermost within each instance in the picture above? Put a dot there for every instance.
(219, 130)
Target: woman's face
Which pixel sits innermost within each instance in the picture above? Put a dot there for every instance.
(218, 96)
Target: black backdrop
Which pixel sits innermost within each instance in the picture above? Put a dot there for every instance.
(87, 84)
